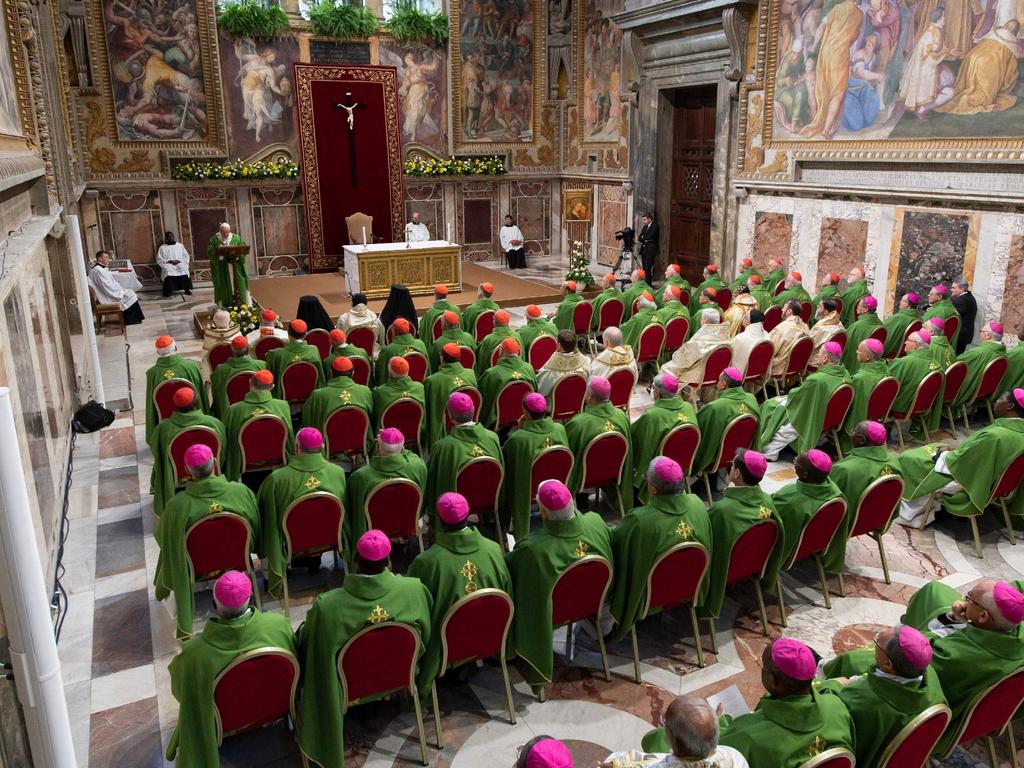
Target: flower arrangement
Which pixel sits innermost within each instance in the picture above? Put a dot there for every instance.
(235, 169)
(579, 266)
(456, 166)
(246, 316)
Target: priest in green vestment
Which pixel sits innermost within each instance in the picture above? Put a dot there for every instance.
(450, 377)
(897, 323)
(229, 279)
(163, 479)
(759, 292)
(535, 564)
(746, 270)
(403, 342)
(942, 351)
(797, 417)
(460, 562)
(205, 494)
(975, 639)
(258, 401)
(239, 362)
(297, 350)
(600, 416)
(776, 274)
(674, 276)
(235, 630)
(711, 279)
(829, 290)
(939, 304)
(390, 461)
(511, 367)
(170, 365)
(978, 358)
(638, 284)
(341, 391)
(307, 472)
(567, 307)
(341, 348)
(536, 325)
(483, 303)
(643, 317)
(490, 342)
(794, 290)
(398, 386)
(436, 310)
(537, 433)
(797, 502)
(856, 289)
(867, 322)
(452, 334)
(910, 369)
(871, 369)
(670, 516)
(653, 426)
(609, 290)
(743, 504)
(731, 402)
(370, 595)
(707, 299)
(671, 306)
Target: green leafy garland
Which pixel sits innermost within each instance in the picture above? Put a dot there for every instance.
(467, 166)
(343, 22)
(409, 24)
(235, 169)
(251, 18)
(579, 267)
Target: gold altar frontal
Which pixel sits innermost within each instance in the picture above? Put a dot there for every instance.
(418, 266)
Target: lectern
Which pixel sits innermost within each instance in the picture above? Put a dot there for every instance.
(231, 254)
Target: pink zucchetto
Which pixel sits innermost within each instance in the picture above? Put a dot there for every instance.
(756, 463)
(599, 385)
(452, 508)
(877, 434)
(232, 590)
(1009, 602)
(1018, 395)
(916, 648)
(871, 303)
(794, 659)
(460, 402)
(923, 335)
(937, 322)
(734, 374)
(549, 753)
(553, 495)
(309, 439)
(197, 455)
(535, 403)
(668, 470)
(669, 382)
(875, 346)
(940, 288)
(913, 298)
(996, 328)
(820, 460)
(391, 436)
(374, 545)
(834, 348)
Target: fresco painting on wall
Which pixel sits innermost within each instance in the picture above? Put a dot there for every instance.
(841, 246)
(10, 120)
(577, 205)
(930, 247)
(422, 91)
(258, 91)
(773, 233)
(1012, 316)
(156, 71)
(602, 43)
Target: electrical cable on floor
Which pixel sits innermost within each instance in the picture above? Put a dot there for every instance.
(59, 599)
(128, 371)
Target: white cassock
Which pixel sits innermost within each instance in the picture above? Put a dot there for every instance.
(417, 233)
(176, 252)
(108, 290)
(507, 234)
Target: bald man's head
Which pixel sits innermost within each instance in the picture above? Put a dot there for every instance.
(692, 727)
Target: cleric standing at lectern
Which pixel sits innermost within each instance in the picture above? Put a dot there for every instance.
(220, 269)
(415, 232)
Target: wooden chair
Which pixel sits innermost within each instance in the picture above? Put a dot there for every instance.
(739, 433)
(257, 688)
(603, 460)
(218, 355)
(796, 366)
(237, 387)
(405, 415)
(364, 338)
(475, 396)
(163, 396)
(716, 361)
(881, 399)
(989, 386)
(815, 539)
(264, 344)
(954, 382)
(181, 442)
(312, 524)
(484, 325)
(759, 364)
(358, 226)
(749, 559)
(298, 381)
(101, 311)
(479, 481)
(989, 714)
(835, 413)
(622, 382)
(912, 746)
(567, 397)
(680, 444)
(509, 405)
(924, 398)
(220, 542)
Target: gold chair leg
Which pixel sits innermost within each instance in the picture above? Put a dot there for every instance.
(508, 691)
(839, 448)
(1008, 521)
(988, 406)
(881, 555)
(924, 427)
(284, 581)
(707, 485)
(419, 724)
(899, 433)
(419, 535)
(991, 745)
(824, 581)
(696, 635)
(604, 653)
(952, 421)
(782, 601)
(636, 657)
(1014, 759)
(977, 537)
(760, 605)
(842, 584)
(967, 424)
(713, 636)
(437, 716)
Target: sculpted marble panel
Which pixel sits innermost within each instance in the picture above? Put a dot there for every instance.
(1013, 289)
(930, 247)
(841, 246)
(773, 234)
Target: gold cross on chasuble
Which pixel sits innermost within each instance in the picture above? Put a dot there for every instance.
(345, 396)
(257, 411)
(817, 746)
(168, 374)
(516, 375)
(682, 418)
(477, 451)
(763, 513)
(296, 359)
(609, 427)
(743, 408)
(886, 470)
(581, 548)
(469, 572)
(458, 382)
(215, 508)
(684, 530)
(312, 483)
(378, 616)
(547, 442)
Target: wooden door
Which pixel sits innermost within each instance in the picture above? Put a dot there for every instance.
(693, 171)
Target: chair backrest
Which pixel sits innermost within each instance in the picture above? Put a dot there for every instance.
(950, 331)
(361, 370)
(509, 405)
(1012, 478)
(716, 362)
(184, 440)
(927, 391)
(911, 747)
(772, 317)
(359, 226)
(163, 395)
(819, 531)
(378, 660)
(475, 396)
(389, 335)
(724, 298)
(603, 460)
(879, 334)
(676, 331)
(739, 433)
(680, 445)
(541, 350)
(484, 325)
(991, 378)
(217, 355)
(840, 339)
(838, 406)
(652, 338)
(567, 397)
(877, 505)
(579, 590)
(405, 415)
(313, 524)
(345, 431)
(554, 463)
(760, 360)
(467, 358)
(611, 313)
(805, 311)
(264, 344)
(393, 507)
(779, 287)
(479, 480)
(363, 337)
(238, 386)
(582, 314)
(955, 375)
(217, 543)
(676, 576)
(417, 365)
(750, 553)
(622, 381)
(320, 339)
(262, 441)
(476, 627)
(832, 758)
(991, 710)
(635, 306)
(913, 327)
(437, 328)
(800, 356)
(495, 355)
(298, 381)
(882, 397)
(257, 688)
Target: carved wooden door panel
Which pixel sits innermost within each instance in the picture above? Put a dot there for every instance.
(693, 170)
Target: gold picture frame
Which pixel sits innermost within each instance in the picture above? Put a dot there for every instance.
(18, 78)
(583, 67)
(577, 205)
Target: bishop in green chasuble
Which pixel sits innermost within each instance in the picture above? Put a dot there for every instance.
(978, 358)
(511, 367)
(566, 308)
(490, 342)
(797, 502)
(871, 369)
(402, 343)
(653, 426)
(867, 322)
(297, 350)
(257, 402)
(170, 365)
(856, 289)
(436, 310)
(451, 334)
(732, 401)
(484, 303)
(341, 348)
(239, 362)
(449, 377)
(341, 391)
(600, 416)
(897, 323)
(398, 386)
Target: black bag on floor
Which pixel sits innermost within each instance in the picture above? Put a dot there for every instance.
(92, 416)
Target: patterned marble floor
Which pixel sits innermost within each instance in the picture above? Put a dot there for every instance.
(118, 640)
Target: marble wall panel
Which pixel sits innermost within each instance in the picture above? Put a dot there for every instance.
(428, 201)
(279, 229)
(1012, 316)
(477, 212)
(773, 234)
(130, 228)
(613, 211)
(531, 209)
(841, 246)
(929, 247)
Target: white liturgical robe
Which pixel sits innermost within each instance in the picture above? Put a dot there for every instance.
(167, 253)
(108, 290)
(507, 234)
(417, 233)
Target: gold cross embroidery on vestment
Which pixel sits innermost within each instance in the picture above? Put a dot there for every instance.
(469, 572)
(547, 442)
(817, 746)
(407, 350)
(378, 616)
(743, 408)
(683, 418)
(215, 508)
(684, 530)
(763, 512)
(516, 375)
(609, 427)
(477, 451)
(933, 366)
(457, 381)
(257, 411)
(345, 396)
(581, 548)
(312, 483)
(296, 359)
(886, 470)
(168, 374)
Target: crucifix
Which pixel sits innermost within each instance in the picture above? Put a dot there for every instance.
(350, 107)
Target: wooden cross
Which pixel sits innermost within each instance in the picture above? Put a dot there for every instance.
(350, 107)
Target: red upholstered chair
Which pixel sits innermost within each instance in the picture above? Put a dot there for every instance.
(924, 398)
(912, 746)
(406, 416)
(676, 331)
(554, 463)
(759, 364)
(772, 317)
(312, 525)
(799, 358)
(989, 386)
(238, 386)
(219, 542)
(1010, 481)
(320, 339)
(181, 442)
(298, 382)
(364, 338)
(540, 351)
(805, 311)
(835, 413)
(437, 329)
(717, 360)
(567, 397)
(484, 325)
(467, 358)
(622, 382)
(495, 356)
(876, 509)
(675, 579)
(956, 374)
(684, 298)
(989, 715)
(724, 298)
(739, 433)
(879, 334)
(393, 507)
(652, 338)
(611, 313)
(475, 628)
(263, 440)
(603, 460)
(475, 396)
(509, 406)
(882, 397)
(417, 366)
(345, 432)
(219, 354)
(361, 370)
(163, 396)
(582, 314)
(379, 661)
(256, 689)
(951, 329)
(479, 480)
(264, 344)
(831, 758)
(840, 338)
(577, 595)
(749, 558)
(779, 288)
(635, 306)
(914, 327)
(814, 539)
(680, 445)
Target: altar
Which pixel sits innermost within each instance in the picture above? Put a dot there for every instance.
(373, 268)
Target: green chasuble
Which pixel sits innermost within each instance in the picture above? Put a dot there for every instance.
(523, 446)
(335, 617)
(827, 292)
(943, 308)
(220, 272)
(896, 325)
(596, 419)
(854, 292)
(671, 310)
(491, 342)
(597, 301)
(171, 367)
(458, 564)
(864, 382)
(566, 308)
(977, 464)
(219, 379)
(406, 465)
(861, 329)
(401, 344)
(193, 671)
(977, 358)
(438, 308)
(632, 328)
(163, 478)
(1015, 372)
(437, 387)
(632, 293)
(449, 336)
(731, 516)
(199, 499)
(494, 379)
(793, 293)
(804, 407)
(647, 432)
(341, 391)
(256, 403)
(714, 417)
(294, 351)
(464, 442)
(712, 282)
(402, 388)
(909, 370)
(304, 474)
(535, 564)
(741, 278)
(772, 279)
(677, 279)
(763, 297)
(344, 350)
(473, 311)
(942, 351)
(796, 504)
(644, 534)
(536, 326)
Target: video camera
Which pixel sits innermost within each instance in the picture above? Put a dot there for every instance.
(628, 237)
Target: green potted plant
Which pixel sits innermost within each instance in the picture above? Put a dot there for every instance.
(330, 18)
(252, 18)
(407, 23)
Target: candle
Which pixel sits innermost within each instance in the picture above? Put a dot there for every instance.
(449, 233)
(364, 237)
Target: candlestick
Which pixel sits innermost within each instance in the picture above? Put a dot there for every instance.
(449, 233)
(364, 236)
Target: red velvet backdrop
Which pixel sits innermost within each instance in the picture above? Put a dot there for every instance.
(324, 143)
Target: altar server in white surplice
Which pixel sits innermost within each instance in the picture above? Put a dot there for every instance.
(415, 232)
(511, 237)
(173, 260)
(109, 291)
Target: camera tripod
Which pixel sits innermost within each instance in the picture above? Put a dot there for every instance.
(622, 268)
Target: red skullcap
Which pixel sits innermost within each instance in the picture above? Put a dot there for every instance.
(232, 590)
(675, 268)
(398, 366)
(309, 439)
(342, 364)
(487, 287)
(553, 495)
(877, 433)
(510, 346)
(401, 325)
(819, 460)
(163, 342)
(833, 277)
(570, 284)
(916, 648)
(374, 546)
(1009, 602)
(460, 402)
(756, 463)
(441, 289)
(239, 342)
(269, 316)
(391, 436)
(668, 470)
(337, 336)
(451, 318)
(298, 326)
(641, 274)
(875, 346)
(609, 278)
(452, 350)
(647, 295)
(755, 279)
(549, 753)
(197, 455)
(711, 292)
(676, 291)
(452, 508)
(794, 659)
(264, 377)
(711, 267)
(533, 310)
(834, 348)
(797, 276)
(600, 386)
(535, 403)
(502, 317)
(184, 397)
(747, 262)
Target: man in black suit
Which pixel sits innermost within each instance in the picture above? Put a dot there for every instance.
(966, 305)
(648, 243)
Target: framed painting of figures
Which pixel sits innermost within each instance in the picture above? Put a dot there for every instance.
(599, 71)
(496, 71)
(422, 91)
(871, 79)
(10, 112)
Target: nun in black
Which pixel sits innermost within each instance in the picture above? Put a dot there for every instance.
(313, 313)
(399, 304)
